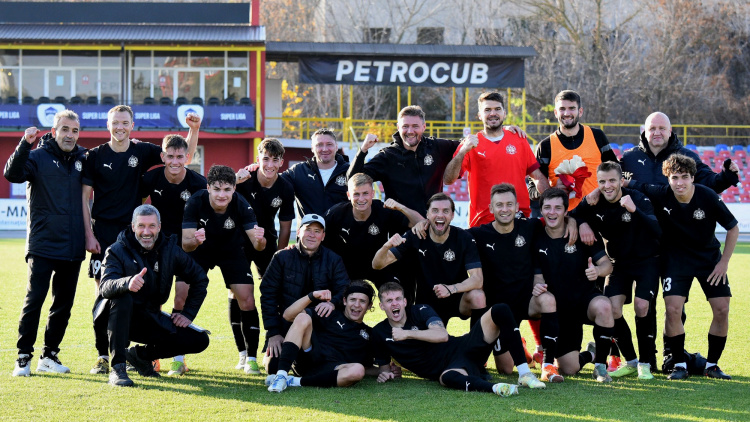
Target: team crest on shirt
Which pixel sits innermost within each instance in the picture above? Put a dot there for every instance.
(626, 217)
(364, 335)
(414, 328)
(156, 266)
(78, 165)
(520, 241)
(570, 248)
(449, 255)
(341, 180)
(185, 195)
(510, 149)
(276, 202)
(229, 223)
(373, 230)
(428, 160)
(699, 214)
(133, 161)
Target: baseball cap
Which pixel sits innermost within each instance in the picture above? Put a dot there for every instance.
(313, 218)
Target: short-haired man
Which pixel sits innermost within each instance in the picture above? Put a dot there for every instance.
(326, 351)
(493, 156)
(443, 258)
(114, 170)
(415, 337)
(294, 273)
(625, 219)
(688, 214)
(136, 281)
(569, 272)
(55, 238)
(360, 226)
(216, 225)
(506, 248)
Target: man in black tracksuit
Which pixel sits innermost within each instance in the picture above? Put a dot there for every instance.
(137, 276)
(55, 238)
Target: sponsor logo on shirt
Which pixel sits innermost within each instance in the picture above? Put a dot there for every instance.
(428, 160)
(449, 255)
(229, 223)
(133, 161)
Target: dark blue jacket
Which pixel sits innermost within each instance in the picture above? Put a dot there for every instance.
(309, 193)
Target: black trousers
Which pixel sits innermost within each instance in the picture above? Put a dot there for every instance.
(64, 277)
(131, 322)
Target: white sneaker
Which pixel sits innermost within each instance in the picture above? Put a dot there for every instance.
(51, 364)
(23, 366)
(241, 364)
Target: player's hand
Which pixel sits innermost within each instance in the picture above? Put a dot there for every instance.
(385, 376)
(193, 121)
(252, 167)
(180, 320)
(627, 202)
(539, 289)
(136, 282)
(420, 229)
(399, 334)
(274, 346)
(242, 175)
(441, 291)
(719, 274)
(322, 295)
(593, 197)
(515, 129)
(731, 166)
(592, 273)
(586, 234)
(200, 236)
(394, 241)
(370, 140)
(571, 231)
(395, 369)
(258, 232)
(30, 134)
(469, 143)
(625, 183)
(92, 245)
(392, 204)
(135, 141)
(324, 309)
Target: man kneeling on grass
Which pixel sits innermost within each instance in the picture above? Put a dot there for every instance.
(416, 337)
(137, 279)
(326, 351)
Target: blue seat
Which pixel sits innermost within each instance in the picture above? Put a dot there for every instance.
(692, 147)
(735, 148)
(614, 145)
(721, 147)
(627, 146)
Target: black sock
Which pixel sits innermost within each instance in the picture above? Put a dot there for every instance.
(715, 348)
(289, 352)
(325, 380)
(250, 331)
(624, 339)
(549, 329)
(476, 315)
(584, 358)
(646, 339)
(459, 381)
(603, 340)
(273, 365)
(510, 335)
(235, 321)
(677, 345)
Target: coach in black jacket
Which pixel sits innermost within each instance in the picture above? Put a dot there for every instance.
(55, 238)
(136, 281)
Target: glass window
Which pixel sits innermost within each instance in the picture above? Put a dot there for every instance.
(237, 84)
(111, 83)
(207, 59)
(59, 83)
(164, 84)
(8, 82)
(237, 59)
(86, 82)
(140, 58)
(80, 58)
(8, 58)
(112, 59)
(196, 164)
(170, 58)
(33, 83)
(189, 84)
(140, 85)
(40, 58)
(214, 83)
(430, 35)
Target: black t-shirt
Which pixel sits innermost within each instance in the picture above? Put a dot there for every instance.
(629, 237)
(544, 149)
(266, 202)
(225, 233)
(689, 241)
(507, 258)
(440, 263)
(564, 267)
(423, 358)
(170, 198)
(116, 179)
(340, 339)
(358, 241)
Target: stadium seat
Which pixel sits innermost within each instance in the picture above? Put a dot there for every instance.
(627, 146)
(723, 155)
(721, 147)
(60, 100)
(11, 100)
(92, 100)
(197, 101)
(27, 100)
(213, 101)
(614, 145)
(707, 156)
(728, 198)
(462, 196)
(165, 101)
(618, 153)
(245, 101)
(229, 101)
(745, 198)
(42, 100)
(692, 147)
(76, 100)
(735, 148)
(180, 101)
(149, 101)
(108, 100)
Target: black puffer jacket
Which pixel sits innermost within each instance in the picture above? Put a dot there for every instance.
(309, 193)
(293, 274)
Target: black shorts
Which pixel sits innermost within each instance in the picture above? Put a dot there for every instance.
(106, 233)
(235, 269)
(313, 363)
(261, 258)
(572, 316)
(680, 286)
(468, 352)
(447, 308)
(645, 274)
(519, 306)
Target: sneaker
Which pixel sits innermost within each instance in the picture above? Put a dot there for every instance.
(278, 384)
(550, 374)
(529, 356)
(51, 363)
(505, 390)
(270, 378)
(613, 363)
(591, 348)
(156, 365)
(530, 380)
(100, 367)
(644, 371)
(177, 368)
(623, 371)
(119, 376)
(145, 368)
(241, 364)
(716, 372)
(251, 367)
(539, 358)
(23, 366)
(678, 373)
(600, 373)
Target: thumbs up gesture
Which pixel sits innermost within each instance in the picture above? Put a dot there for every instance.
(592, 272)
(136, 282)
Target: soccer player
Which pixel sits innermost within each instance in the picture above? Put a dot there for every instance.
(493, 156)
(569, 272)
(688, 214)
(325, 351)
(269, 195)
(443, 259)
(114, 171)
(415, 337)
(625, 219)
(506, 248)
(216, 225)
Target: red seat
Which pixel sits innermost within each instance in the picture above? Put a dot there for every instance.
(728, 198)
(723, 155)
(462, 196)
(745, 198)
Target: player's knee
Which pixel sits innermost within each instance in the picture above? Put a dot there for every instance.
(641, 308)
(616, 312)
(603, 307)
(673, 311)
(547, 302)
(569, 368)
(246, 303)
(476, 298)
(721, 310)
(501, 313)
(201, 343)
(179, 302)
(504, 366)
(303, 320)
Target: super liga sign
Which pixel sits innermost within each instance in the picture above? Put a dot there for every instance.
(505, 73)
